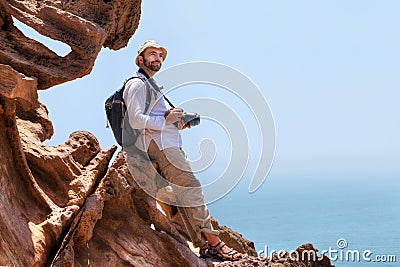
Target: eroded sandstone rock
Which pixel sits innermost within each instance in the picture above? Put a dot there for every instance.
(235, 240)
(16, 85)
(34, 212)
(121, 225)
(85, 25)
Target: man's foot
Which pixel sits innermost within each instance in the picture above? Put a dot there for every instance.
(223, 252)
(204, 252)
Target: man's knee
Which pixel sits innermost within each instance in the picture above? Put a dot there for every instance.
(176, 157)
(184, 179)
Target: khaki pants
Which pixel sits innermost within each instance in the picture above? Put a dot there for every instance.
(192, 217)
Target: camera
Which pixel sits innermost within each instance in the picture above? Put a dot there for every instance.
(191, 118)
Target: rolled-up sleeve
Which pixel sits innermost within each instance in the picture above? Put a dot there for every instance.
(135, 99)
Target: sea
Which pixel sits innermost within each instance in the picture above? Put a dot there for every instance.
(352, 218)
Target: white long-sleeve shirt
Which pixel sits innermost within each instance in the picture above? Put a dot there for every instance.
(152, 123)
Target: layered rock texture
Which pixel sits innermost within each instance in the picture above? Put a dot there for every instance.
(67, 205)
(86, 26)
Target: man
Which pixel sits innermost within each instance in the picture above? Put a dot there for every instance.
(161, 140)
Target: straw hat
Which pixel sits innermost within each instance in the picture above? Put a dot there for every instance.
(147, 44)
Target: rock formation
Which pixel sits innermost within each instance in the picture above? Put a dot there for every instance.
(64, 205)
(86, 26)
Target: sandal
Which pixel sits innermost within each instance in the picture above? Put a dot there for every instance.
(217, 252)
(205, 253)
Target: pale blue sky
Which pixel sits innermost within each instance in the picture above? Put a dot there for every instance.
(329, 70)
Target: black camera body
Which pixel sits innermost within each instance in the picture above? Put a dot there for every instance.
(191, 118)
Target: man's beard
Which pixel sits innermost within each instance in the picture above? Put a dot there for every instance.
(151, 66)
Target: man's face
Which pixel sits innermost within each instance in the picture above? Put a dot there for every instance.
(153, 58)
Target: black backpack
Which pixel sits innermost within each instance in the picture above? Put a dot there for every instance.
(115, 111)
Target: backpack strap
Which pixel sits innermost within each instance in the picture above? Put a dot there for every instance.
(148, 99)
(158, 89)
(148, 92)
(154, 86)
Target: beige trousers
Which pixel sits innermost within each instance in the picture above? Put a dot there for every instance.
(192, 217)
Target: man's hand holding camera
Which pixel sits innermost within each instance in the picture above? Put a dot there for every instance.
(174, 116)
